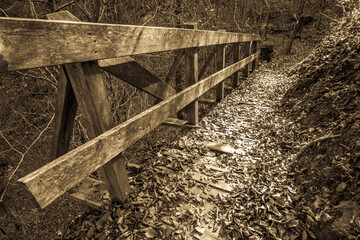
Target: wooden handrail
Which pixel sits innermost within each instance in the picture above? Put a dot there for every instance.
(31, 43)
(54, 179)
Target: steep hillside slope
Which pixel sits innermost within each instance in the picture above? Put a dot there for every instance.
(325, 104)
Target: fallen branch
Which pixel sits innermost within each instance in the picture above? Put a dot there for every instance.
(320, 139)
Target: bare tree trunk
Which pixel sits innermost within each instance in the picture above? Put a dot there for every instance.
(300, 4)
(267, 21)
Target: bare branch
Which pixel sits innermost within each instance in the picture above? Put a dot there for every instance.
(83, 10)
(22, 155)
(2, 10)
(333, 19)
(156, 10)
(64, 5)
(237, 24)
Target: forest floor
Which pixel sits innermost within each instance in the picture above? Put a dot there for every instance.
(278, 158)
(241, 189)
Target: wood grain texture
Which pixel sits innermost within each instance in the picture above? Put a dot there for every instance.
(91, 192)
(54, 179)
(127, 69)
(30, 43)
(191, 75)
(66, 104)
(90, 92)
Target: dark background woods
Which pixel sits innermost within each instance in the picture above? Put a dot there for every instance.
(27, 97)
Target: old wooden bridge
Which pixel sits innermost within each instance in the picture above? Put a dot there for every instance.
(84, 50)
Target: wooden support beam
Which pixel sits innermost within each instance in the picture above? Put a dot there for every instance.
(207, 62)
(54, 179)
(207, 101)
(31, 43)
(175, 122)
(220, 64)
(91, 192)
(236, 56)
(88, 86)
(254, 50)
(246, 54)
(127, 69)
(191, 75)
(175, 66)
(65, 111)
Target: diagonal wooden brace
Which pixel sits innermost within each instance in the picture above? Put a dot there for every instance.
(88, 87)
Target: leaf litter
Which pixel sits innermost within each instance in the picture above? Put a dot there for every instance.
(272, 194)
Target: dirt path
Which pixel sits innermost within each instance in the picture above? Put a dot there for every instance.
(187, 190)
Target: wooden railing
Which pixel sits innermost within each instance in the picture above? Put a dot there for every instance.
(83, 49)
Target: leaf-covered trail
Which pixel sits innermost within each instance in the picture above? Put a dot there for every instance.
(187, 191)
(260, 202)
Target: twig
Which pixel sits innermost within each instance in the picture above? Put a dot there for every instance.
(26, 120)
(22, 155)
(320, 139)
(64, 5)
(156, 10)
(234, 16)
(32, 9)
(2, 10)
(83, 10)
(333, 19)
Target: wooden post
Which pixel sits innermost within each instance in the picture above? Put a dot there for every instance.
(89, 89)
(254, 50)
(246, 54)
(191, 75)
(65, 111)
(220, 64)
(236, 54)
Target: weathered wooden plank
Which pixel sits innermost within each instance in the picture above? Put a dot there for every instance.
(91, 192)
(65, 111)
(220, 64)
(54, 179)
(207, 62)
(175, 66)
(246, 54)
(191, 75)
(175, 122)
(90, 92)
(66, 105)
(127, 69)
(236, 56)
(30, 43)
